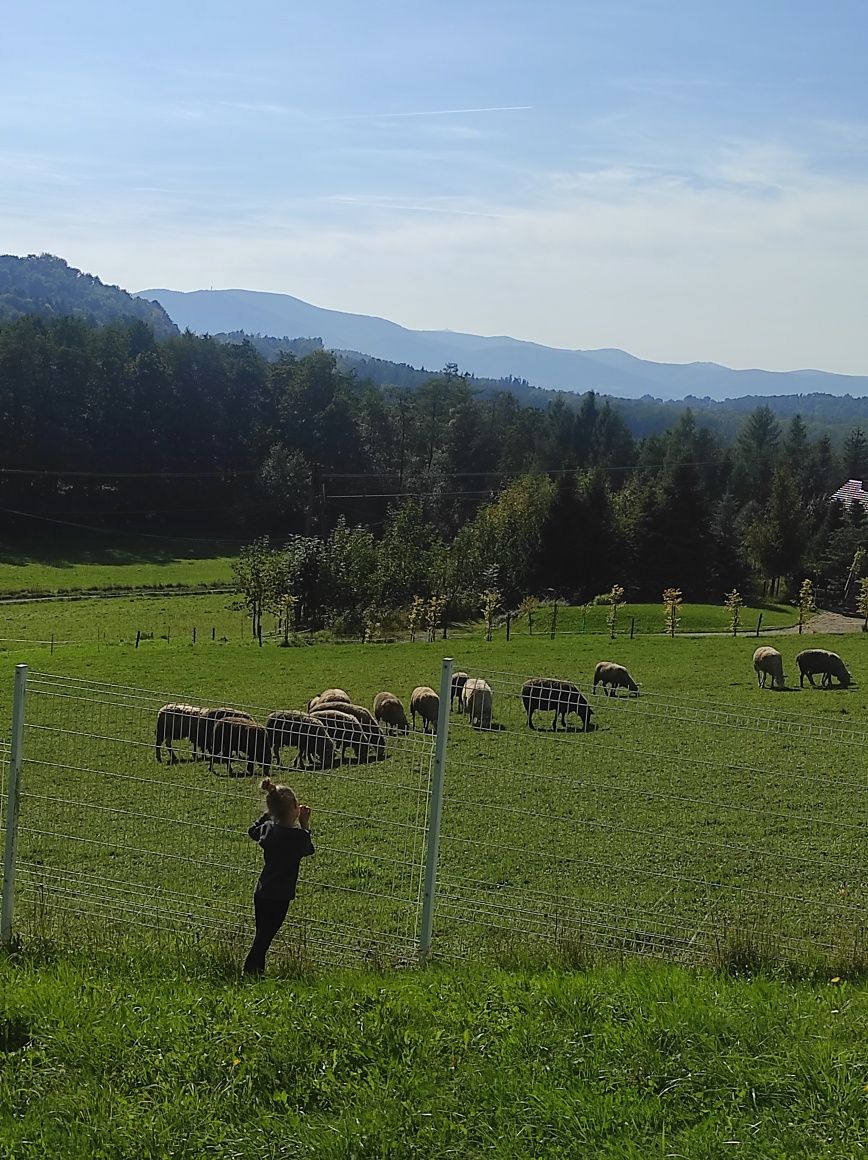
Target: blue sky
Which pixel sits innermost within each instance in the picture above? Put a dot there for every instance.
(683, 180)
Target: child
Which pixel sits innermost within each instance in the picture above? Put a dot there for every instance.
(283, 832)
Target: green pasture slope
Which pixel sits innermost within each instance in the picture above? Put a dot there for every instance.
(642, 815)
(140, 1059)
(63, 562)
(119, 1050)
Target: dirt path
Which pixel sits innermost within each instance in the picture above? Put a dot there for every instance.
(831, 622)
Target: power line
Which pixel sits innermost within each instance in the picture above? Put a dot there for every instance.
(127, 531)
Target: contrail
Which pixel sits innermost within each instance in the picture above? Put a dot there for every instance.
(444, 112)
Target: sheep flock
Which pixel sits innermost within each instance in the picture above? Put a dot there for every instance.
(332, 729)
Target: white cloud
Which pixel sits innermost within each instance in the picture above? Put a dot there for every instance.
(754, 260)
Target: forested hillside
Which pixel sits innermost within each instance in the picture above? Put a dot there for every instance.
(387, 493)
(47, 286)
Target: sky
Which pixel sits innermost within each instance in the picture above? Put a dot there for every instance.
(686, 180)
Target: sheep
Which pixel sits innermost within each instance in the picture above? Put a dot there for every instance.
(174, 723)
(328, 696)
(389, 712)
(614, 677)
(819, 660)
(459, 680)
(362, 715)
(560, 696)
(426, 703)
(237, 735)
(478, 703)
(210, 717)
(294, 728)
(345, 730)
(768, 662)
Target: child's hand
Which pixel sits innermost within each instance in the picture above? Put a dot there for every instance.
(304, 817)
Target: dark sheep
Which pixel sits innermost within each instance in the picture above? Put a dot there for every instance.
(178, 722)
(820, 660)
(459, 680)
(614, 677)
(291, 727)
(389, 712)
(345, 730)
(561, 697)
(238, 736)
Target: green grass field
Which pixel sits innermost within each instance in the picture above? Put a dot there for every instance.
(703, 816)
(140, 1059)
(706, 819)
(64, 562)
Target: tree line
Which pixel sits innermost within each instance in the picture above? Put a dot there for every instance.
(386, 493)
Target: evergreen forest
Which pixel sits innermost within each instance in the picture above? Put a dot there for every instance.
(377, 494)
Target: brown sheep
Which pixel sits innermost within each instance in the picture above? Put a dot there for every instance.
(390, 713)
(178, 722)
(302, 731)
(345, 730)
(238, 736)
(820, 660)
(614, 677)
(425, 702)
(459, 680)
(328, 696)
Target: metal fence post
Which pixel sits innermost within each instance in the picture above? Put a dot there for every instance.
(12, 805)
(436, 810)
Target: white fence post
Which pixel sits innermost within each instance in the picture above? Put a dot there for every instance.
(12, 805)
(435, 810)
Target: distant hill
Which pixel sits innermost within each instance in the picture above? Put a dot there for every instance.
(45, 285)
(612, 372)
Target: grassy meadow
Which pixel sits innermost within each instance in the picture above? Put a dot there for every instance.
(137, 1059)
(704, 818)
(66, 562)
(707, 822)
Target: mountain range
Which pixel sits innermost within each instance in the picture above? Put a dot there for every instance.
(608, 371)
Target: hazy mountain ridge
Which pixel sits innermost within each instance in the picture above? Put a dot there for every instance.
(609, 371)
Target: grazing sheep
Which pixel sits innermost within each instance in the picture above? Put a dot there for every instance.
(362, 715)
(614, 677)
(210, 717)
(560, 696)
(175, 723)
(345, 730)
(768, 662)
(478, 703)
(371, 736)
(426, 703)
(819, 660)
(389, 712)
(459, 680)
(329, 696)
(239, 736)
(300, 730)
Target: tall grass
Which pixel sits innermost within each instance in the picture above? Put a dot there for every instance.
(135, 1058)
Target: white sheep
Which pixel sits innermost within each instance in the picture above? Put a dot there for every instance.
(768, 662)
(478, 704)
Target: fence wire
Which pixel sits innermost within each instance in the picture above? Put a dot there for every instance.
(677, 826)
(110, 838)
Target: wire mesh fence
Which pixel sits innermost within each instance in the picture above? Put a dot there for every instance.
(673, 825)
(108, 837)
